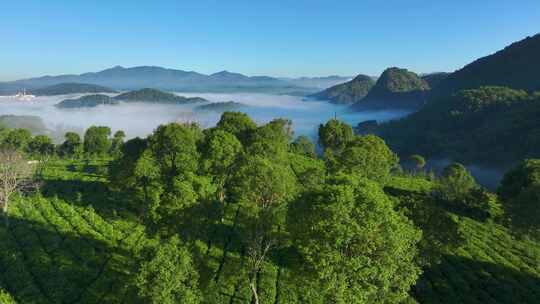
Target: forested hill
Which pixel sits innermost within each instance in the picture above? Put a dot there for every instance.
(434, 79)
(516, 66)
(349, 92)
(71, 88)
(88, 101)
(157, 96)
(395, 88)
(491, 125)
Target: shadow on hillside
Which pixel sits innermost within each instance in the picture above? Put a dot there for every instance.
(96, 194)
(42, 265)
(463, 280)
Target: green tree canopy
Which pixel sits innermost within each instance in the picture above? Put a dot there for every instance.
(520, 193)
(335, 135)
(5, 298)
(117, 142)
(40, 145)
(219, 152)
(96, 140)
(367, 156)
(304, 146)
(271, 140)
(455, 183)
(354, 244)
(237, 123)
(168, 275)
(17, 139)
(418, 161)
(72, 145)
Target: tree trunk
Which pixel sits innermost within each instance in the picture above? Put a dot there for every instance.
(5, 211)
(255, 299)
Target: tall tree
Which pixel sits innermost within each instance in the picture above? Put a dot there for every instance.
(15, 172)
(520, 193)
(367, 156)
(263, 188)
(219, 152)
(72, 145)
(117, 142)
(237, 123)
(354, 244)
(168, 275)
(17, 139)
(96, 141)
(335, 134)
(40, 145)
(304, 146)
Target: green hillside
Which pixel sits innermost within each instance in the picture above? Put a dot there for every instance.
(395, 88)
(79, 243)
(480, 126)
(244, 213)
(516, 66)
(491, 265)
(156, 96)
(88, 101)
(348, 92)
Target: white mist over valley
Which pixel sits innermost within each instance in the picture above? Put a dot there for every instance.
(140, 119)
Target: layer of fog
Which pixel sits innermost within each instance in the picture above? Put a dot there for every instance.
(140, 119)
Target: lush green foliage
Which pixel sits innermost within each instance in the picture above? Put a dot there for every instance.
(168, 275)
(241, 213)
(520, 192)
(334, 135)
(96, 140)
(350, 236)
(477, 125)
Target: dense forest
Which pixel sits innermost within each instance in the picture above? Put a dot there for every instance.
(247, 213)
(496, 126)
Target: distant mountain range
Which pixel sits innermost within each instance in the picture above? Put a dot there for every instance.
(120, 78)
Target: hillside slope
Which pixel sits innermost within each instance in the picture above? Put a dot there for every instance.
(516, 66)
(395, 89)
(156, 96)
(348, 92)
(492, 125)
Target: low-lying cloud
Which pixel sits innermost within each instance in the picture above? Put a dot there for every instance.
(140, 119)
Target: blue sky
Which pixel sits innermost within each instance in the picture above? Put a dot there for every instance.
(277, 38)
